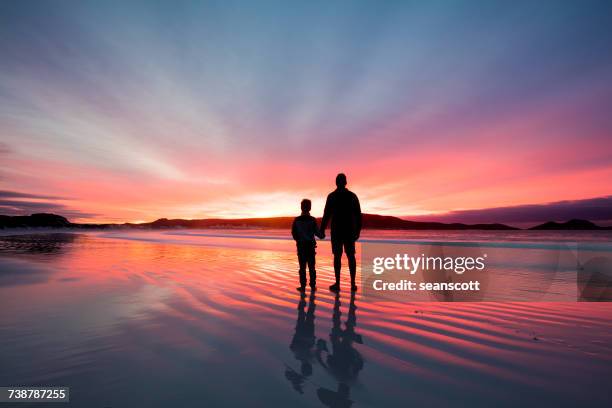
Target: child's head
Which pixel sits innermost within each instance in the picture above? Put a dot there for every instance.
(305, 205)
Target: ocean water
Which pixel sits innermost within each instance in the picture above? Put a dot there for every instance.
(212, 318)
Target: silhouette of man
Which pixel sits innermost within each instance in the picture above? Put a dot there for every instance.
(342, 207)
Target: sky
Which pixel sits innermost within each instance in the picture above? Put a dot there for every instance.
(132, 111)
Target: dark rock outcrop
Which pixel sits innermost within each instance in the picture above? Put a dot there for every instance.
(34, 221)
(575, 225)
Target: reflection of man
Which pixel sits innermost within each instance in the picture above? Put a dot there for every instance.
(336, 399)
(344, 362)
(342, 207)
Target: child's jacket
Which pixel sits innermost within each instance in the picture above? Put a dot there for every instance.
(304, 228)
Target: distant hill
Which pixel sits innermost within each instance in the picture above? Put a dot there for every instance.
(570, 225)
(373, 221)
(370, 221)
(275, 222)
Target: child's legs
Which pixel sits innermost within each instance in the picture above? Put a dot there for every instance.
(302, 260)
(311, 269)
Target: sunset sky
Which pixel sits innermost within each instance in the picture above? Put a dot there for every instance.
(131, 112)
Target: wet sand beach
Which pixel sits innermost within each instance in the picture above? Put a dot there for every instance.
(162, 319)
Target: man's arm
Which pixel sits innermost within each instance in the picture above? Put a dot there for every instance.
(358, 218)
(294, 231)
(326, 214)
(317, 232)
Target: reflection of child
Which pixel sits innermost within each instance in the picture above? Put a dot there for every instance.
(303, 343)
(304, 229)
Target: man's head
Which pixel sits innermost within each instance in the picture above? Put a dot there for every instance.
(341, 180)
(305, 205)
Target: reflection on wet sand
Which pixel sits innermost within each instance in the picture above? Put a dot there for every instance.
(44, 243)
(343, 361)
(302, 343)
(163, 322)
(17, 250)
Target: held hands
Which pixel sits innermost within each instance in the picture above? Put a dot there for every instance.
(320, 234)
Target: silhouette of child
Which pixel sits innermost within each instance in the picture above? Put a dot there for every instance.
(304, 229)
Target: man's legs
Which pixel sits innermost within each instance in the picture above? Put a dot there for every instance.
(337, 250)
(337, 266)
(352, 267)
(349, 248)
